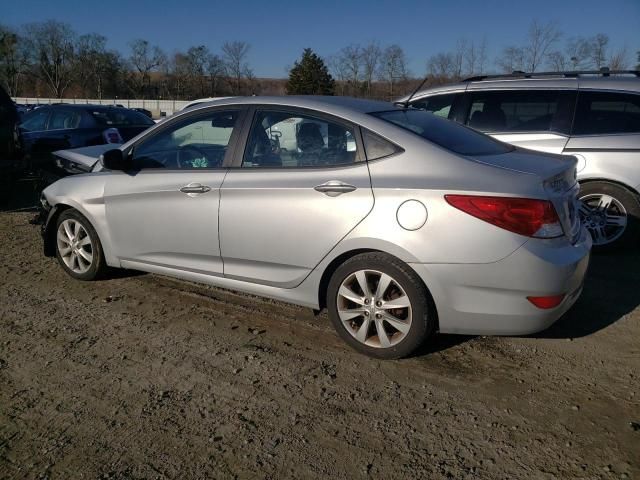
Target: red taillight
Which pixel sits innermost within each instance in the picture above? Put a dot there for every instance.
(526, 216)
(550, 301)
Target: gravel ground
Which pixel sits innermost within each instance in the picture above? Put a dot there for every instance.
(142, 376)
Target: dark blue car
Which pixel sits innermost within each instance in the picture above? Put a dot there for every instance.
(62, 126)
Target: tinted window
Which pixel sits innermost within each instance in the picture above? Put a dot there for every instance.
(445, 133)
(377, 147)
(439, 105)
(607, 112)
(64, 119)
(521, 111)
(119, 117)
(35, 121)
(194, 143)
(287, 139)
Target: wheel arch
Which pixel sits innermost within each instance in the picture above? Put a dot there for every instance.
(49, 232)
(343, 257)
(612, 181)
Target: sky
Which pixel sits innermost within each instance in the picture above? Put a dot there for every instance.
(278, 31)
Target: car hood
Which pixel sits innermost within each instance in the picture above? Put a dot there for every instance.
(86, 157)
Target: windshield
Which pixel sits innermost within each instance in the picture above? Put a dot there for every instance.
(119, 117)
(447, 134)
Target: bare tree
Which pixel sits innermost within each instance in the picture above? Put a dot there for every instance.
(14, 59)
(599, 50)
(458, 58)
(144, 58)
(197, 58)
(351, 57)
(441, 66)
(512, 59)
(619, 60)
(578, 53)
(370, 56)
(235, 59)
(94, 63)
(558, 61)
(51, 44)
(179, 71)
(339, 71)
(393, 66)
(215, 70)
(540, 40)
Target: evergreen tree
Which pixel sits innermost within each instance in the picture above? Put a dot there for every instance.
(310, 76)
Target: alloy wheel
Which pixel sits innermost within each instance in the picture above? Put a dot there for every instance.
(604, 216)
(74, 245)
(374, 308)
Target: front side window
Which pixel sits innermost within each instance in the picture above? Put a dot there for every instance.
(521, 111)
(445, 133)
(64, 119)
(193, 143)
(35, 121)
(291, 140)
(439, 105)
(607, 112)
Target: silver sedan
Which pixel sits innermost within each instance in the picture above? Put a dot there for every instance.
(397, 222)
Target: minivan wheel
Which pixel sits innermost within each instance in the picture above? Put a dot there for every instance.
(379, 306)
(611, 213)
(78, 247)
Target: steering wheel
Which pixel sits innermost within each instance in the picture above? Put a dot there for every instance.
(194, 153)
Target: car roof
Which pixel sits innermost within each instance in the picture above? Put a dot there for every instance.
(328, 104)
(620, 83)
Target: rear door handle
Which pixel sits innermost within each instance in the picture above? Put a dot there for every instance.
(194, 189)
(333, 188)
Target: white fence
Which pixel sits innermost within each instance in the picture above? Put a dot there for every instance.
(159, 108)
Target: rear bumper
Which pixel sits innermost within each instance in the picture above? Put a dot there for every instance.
(491, 299)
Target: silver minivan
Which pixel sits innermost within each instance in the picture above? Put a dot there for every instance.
(594, 116)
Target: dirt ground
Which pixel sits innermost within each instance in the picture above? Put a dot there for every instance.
(141, 376)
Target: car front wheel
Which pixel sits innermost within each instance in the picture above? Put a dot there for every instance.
(611, 213)
(379, 306)
(78, 247)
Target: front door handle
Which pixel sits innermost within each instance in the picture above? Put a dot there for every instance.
(195, 189)
(333, 188)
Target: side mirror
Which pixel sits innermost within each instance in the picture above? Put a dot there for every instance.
(115, 160)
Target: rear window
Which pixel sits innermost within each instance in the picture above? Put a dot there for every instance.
(447, 134)
(119, 117)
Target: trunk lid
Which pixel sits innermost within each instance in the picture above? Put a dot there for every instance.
(558, 176)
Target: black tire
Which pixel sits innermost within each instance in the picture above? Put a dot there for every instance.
(423, 312)
(629, 200)
(98, 266)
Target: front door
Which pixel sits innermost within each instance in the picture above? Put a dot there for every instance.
(165, 212)
(300, 187)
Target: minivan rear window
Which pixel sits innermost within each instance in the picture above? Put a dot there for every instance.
(445, 133)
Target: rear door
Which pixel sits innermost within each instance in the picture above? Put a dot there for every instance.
(301, 185)
(536, 119)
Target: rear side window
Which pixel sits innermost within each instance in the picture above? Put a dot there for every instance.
(119, 117)
(445, 133)
(377, 147)
(522, 111)
(607, 112)
(439, 105)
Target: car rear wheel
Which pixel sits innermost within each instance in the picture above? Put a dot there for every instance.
(611, 213)
(379, 306)
(78, 247)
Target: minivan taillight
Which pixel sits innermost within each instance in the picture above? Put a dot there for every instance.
(525, 216)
